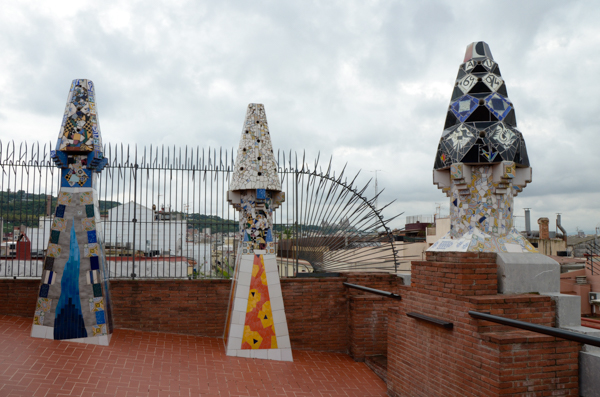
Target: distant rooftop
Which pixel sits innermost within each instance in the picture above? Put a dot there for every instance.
(574, 240)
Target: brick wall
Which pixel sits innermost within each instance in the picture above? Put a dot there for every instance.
(318, 310)
(475, 358)
(536, 365)
(456, 273)
(319, 314)
(18, 297)
(196, 307)
(368, 326)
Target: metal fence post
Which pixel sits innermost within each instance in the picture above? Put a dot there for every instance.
(134, 220)
(297, 218)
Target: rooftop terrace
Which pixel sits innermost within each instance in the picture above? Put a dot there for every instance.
(162, 364)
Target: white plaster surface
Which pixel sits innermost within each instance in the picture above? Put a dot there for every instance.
(244, 278)
(243, 353)
(39, 331)
(277, 303)
(275, 290)
(238, 317)
(236, 330)
(271, 265)
(274, 354)
(260, 353)
(104, 340)
(279, 316)
(281, 329)
(272, 279)
(284, 342)
(240, 304)
(234, 342)
(286, 354)
(280, 354)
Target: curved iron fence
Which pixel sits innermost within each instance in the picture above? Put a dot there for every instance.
(165, 214)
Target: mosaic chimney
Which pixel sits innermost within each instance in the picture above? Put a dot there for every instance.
(73, 302)
(256, 323)
(481, 161)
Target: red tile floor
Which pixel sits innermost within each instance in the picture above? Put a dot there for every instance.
(158, 364)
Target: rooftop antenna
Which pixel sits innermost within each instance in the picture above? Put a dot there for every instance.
(438, 211)
(376, 189)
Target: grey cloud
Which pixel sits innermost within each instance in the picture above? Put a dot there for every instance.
(368, 81)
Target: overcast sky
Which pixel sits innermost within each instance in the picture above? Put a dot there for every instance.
(367, 82)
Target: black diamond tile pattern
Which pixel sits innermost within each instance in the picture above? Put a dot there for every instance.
(481, 126)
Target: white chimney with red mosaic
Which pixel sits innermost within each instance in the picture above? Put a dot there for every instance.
(256, 323)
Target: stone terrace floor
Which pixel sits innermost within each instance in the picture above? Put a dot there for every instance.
(158, 364)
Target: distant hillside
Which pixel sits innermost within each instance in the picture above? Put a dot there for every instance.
(215, 223)
(21, 208)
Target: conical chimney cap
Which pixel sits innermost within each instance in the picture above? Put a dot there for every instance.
(255, 166)
(80, 128)
(481, 124)
(478, 50)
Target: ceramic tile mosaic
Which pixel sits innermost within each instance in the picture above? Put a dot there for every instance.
(255, 163)
(74, 298)
(476, 241)
(256, 326)
(481, 162)
(259, 329)
(481, 126)
(80, 131)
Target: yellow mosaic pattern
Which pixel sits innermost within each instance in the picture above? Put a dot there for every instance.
(59, 224)
(86, 198)
(259, 329)
(91, 250)
(65, 198)
(89, 224)
(54, 250)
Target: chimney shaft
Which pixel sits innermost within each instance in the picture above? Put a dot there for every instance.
(528, 221)
(559, 225)
(544, 229)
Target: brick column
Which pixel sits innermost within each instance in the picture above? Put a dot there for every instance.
(544, 229)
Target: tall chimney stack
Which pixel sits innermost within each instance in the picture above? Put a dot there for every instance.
(544, 229)
(528, 221)
(559, 226)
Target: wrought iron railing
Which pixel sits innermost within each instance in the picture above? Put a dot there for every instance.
(165, 214)
(592, 257)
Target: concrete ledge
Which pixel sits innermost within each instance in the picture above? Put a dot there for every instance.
(583, 330)
(405, 278)
(589, 368)
(526, 272)
(568, 309)
(590, 332)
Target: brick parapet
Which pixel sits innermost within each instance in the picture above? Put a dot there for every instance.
(461, 257)
(475, 358)
(318, 310)
(450, 279)
(368, 324)
(18, 297)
